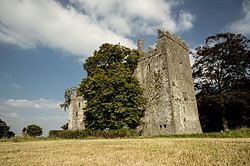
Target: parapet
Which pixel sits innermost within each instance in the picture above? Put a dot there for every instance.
(172, 37)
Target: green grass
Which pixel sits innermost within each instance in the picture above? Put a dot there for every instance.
(237, 133)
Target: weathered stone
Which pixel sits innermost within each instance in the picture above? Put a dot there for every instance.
(76, 114)
(164, 72)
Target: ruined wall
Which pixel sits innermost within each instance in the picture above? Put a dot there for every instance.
(76, 116)
(164, 72)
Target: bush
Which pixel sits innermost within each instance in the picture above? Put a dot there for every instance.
(33, 130)
(120, 133)
(65, 126)
(10, 134)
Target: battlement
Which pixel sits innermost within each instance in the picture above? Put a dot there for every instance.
(172, 37)
(156, 49)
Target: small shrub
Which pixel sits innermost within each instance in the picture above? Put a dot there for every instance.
(65, 126)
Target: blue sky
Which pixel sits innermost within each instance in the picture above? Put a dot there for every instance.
(43, 44)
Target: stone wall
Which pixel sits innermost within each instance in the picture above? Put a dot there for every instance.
(164, 72)
(76, 116)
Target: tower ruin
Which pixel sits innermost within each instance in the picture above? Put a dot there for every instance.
(164, 72)
(76, 114)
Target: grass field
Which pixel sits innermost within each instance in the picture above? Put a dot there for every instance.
(155, 151)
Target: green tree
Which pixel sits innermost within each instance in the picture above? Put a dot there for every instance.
(113, 95)
(221, 73)
(33, 130)
(24, 131)
(3, 129)
(65, 126)
(10, 134)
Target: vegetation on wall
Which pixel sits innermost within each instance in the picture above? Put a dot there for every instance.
(67, 97)
(113, 95)
(222, 82)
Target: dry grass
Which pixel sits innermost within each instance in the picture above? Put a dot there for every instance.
(158, 151)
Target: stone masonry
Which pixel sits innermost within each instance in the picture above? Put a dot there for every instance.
(76, 116)
(165, 74)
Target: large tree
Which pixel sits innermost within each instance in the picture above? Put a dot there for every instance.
(221, 72)
(5, 130)
(32, 130)
(113, 95)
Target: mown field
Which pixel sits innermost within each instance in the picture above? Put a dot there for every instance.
(146, 151)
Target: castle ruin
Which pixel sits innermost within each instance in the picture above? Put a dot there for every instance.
(164, 72)
(76, 114)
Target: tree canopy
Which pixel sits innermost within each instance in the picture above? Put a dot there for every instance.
(5, 130)
(222, 76)
(113, 95)
(32, 130)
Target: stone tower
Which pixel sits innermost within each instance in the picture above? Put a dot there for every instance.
(76, 116)
(165, 74)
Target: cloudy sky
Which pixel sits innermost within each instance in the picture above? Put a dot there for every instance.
(44, 43)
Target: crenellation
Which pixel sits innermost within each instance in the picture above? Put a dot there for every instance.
(172, 37)
(165, 74)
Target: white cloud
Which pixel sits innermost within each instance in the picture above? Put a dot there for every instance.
(19, 113)
(242, 25)
(9, 114)
(40, 104)
(30, 23)
(83, 25)
(185, 20)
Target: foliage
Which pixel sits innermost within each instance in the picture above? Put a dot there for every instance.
(4, 130)
(236, 106)
(65, 126)
(222, 80)
(119, 133)
(113, 95)
(67, 97)
(10, 134)
(24, 131)
(33, 130)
